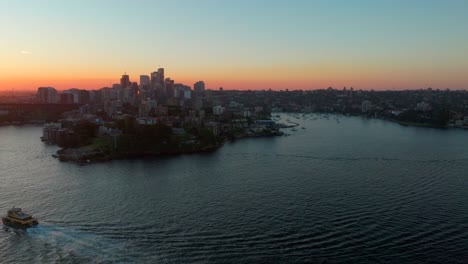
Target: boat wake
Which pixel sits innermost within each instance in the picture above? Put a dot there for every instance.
(78, 244)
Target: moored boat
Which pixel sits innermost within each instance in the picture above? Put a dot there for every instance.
(16, 218)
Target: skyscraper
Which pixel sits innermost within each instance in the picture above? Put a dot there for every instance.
(144, 80)
(169, 84)
(154, 75)
(125, 81)
(155, 79)
(161, 75)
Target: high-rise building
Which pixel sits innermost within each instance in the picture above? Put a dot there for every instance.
(169, 84)
(199, 87)
(160, 93)
(161, 75)
(47, 95)
(154, 76)
(134, 89)
(155, 80)
(144, 80)
(125, 81)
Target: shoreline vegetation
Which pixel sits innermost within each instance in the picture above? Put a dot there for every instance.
(88, 154)
(93, 154)
(84, 145)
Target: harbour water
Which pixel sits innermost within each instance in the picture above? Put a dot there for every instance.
(353, 191)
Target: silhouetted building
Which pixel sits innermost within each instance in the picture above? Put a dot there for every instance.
(79, 96)
(124, 81)
(180, 90)
(199, 87)
(154, 77)
(145, 80)
(134, 89)
(161, 93)
(154, 84)
(169, 87)
(161, 75)
(47, 95)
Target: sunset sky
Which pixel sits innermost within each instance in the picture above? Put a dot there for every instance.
(243, 44)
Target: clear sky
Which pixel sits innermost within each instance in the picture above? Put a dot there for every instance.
(242, 44)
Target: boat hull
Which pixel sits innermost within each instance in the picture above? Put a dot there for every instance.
(19, 224)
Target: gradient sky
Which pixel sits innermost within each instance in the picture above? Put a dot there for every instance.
(243, 44)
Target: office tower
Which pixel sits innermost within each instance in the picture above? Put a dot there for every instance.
(155, 79)
(125, 81)
(169, 84)
(161, 75)
(144, 80)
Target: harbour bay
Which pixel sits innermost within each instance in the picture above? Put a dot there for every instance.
(357, 190)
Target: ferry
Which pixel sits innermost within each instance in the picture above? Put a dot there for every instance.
(16, 218)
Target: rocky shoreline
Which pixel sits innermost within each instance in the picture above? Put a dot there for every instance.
(86, 154)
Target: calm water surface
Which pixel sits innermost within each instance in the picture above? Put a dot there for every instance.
(360, 191)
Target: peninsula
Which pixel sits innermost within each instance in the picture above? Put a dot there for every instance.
(155, 117)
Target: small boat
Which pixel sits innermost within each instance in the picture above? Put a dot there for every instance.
(303, 128)
(16, 218)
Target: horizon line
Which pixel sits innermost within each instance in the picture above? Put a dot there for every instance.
(264, 89)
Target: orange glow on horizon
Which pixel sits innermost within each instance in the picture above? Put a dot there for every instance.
(243, 78)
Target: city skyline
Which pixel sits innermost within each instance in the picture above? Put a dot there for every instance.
(305, 45)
